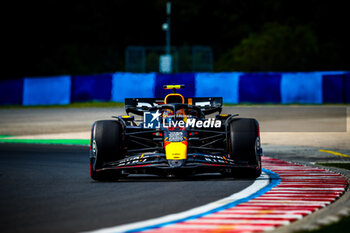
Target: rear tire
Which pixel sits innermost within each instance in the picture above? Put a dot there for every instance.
(244, 143)
(106, 146)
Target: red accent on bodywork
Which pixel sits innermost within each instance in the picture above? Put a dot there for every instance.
(173, 128)
(136, 166)
(166, 143)
(215, 165)
(158, 134)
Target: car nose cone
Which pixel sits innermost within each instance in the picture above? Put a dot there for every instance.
(176, 163)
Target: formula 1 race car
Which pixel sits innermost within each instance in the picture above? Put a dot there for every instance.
(173, 137)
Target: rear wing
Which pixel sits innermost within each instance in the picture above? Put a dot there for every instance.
(208, 105)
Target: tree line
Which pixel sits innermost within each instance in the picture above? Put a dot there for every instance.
(83, 37)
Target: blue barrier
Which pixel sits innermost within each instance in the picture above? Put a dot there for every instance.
(309, 87)
(129, 85)
(347, 87)
(260, 88)
(11, 92)
(234, 87)
(333, 89)
(91, 87)
(182, 78)
(301, 88)
(218, 85)
(46, 91)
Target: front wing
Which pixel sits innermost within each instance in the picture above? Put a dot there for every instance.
(155, 163)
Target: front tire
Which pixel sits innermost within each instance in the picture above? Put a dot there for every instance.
(106, 146)
(244, 145)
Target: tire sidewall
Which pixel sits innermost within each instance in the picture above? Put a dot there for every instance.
(106, 146)
(244, 143)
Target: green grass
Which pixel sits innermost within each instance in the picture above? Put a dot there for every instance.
(343, 225)
(340, 227)
(83, 142)
(339, 165)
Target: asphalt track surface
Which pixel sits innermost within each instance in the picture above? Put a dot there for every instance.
(47, 188)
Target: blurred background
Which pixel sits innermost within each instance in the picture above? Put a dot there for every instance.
(47, 38)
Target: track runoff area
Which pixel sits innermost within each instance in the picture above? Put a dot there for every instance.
(284, 193)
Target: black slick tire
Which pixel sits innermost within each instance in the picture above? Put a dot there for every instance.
(106, 146)
(244, 140)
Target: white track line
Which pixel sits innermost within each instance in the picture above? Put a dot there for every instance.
(235, 221)
(195, 227)
(259, 184)
(255, 216)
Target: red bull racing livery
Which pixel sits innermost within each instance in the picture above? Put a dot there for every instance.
(175, 137)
